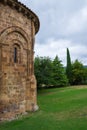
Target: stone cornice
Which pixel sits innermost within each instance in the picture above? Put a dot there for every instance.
(24, 10)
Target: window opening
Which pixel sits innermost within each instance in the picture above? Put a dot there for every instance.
(15, 55)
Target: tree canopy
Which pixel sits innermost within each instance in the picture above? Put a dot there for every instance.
(78, 73)
(49, 72)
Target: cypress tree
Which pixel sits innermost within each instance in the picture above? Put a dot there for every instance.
(69, 67)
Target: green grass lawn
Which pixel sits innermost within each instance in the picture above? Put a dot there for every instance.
(60, 109)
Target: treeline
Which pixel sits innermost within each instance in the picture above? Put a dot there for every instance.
(51, 72)
(75, 71)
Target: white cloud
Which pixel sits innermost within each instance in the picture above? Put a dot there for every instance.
(78, 22)
(63, 25)
(58, 47)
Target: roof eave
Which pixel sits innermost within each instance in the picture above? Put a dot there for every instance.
(24, 10)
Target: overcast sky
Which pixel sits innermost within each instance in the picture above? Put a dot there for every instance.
(63, 24)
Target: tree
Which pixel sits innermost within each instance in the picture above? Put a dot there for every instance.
(37, 69)
(85, 76)
(78, 73)
(49, 72)
(58, 74)
(43, 68)
(69, 67)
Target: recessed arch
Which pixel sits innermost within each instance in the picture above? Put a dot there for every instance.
(12, 29)
(17, 41)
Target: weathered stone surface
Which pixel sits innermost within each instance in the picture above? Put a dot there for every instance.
(17, 81)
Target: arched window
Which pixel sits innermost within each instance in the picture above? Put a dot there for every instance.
(17, 53)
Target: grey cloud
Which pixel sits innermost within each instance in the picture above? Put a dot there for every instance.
(62, 19)
(54, 16)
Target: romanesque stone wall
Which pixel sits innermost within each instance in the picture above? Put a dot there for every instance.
(17, 80)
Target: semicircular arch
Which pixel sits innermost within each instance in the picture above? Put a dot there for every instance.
(12, 29)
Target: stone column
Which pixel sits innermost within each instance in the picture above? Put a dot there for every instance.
(33, 79)
(4, 100)
(31, 90)
(0, 55)
(0, 66)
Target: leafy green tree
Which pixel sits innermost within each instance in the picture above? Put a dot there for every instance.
(58, 74)
(78, 73)
(85, 76)
(37, 69)
(43, 68)
(69, 67)
(49, 72)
